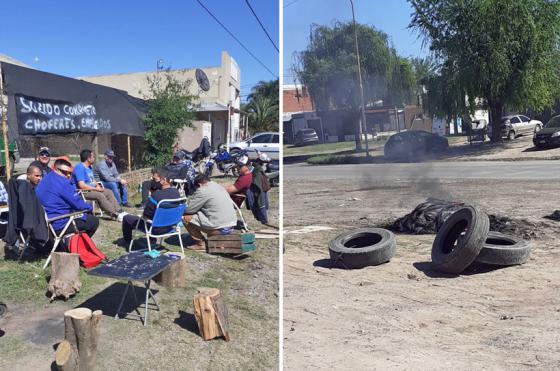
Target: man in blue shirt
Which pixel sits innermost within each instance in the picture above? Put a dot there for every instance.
(83, 176)
(58, 195)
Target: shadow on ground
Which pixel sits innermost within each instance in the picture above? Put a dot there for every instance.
(187, 321)
(108, 300)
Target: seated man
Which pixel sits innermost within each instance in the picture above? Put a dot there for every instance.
(238, 190)
(181, 168)
(209, 210)
(43, 160)
(83, 176)
(106, 171)
(150, 186)
(166, 192)
(57, 194)
(34, 175)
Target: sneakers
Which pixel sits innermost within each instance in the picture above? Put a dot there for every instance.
(121, 216)
(198, 247)
(126, 204)
(11, 252)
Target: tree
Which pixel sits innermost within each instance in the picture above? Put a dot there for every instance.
(263, 114)
(263, 106)
(171, 107)
(328, 68)
(505, 52)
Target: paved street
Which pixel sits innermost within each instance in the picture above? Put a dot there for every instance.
(522, 170)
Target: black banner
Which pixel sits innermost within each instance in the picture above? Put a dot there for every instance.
(46, 116)
(41, 103)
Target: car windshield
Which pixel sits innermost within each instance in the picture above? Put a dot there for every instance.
(308, 131)
(554, 122)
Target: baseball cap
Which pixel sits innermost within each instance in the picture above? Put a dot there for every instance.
(44, 151)
(109, 153)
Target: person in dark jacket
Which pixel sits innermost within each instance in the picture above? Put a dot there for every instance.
(257, 194)
(166, 192)
(58, 195)
(26, 215)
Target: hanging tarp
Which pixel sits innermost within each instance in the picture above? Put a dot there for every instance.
(41, 103)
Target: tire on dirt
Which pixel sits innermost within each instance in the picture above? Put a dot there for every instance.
(3, 309)
(362, 247)
(502, 249)
(468, 227)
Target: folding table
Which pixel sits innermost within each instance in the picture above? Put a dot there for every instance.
(135, 266)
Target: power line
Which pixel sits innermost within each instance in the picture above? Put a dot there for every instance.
(236, 39)
(264, 29)
(293, 2)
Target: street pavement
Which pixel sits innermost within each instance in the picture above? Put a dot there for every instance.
(522, 170)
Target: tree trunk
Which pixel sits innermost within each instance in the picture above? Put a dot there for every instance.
(65, 275)
(81, 331)
(174, 274)
(496, 111)
(211, 314)
(65, 357)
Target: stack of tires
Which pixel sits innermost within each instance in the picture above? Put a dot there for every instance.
(465, 238)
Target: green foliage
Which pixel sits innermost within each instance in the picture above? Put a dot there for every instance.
(263, 106)
(329, 70)
(171, 107)
(504, 51)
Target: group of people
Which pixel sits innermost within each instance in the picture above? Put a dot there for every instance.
(63, 189)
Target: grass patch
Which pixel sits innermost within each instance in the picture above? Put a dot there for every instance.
(326, 148)
(338, 160)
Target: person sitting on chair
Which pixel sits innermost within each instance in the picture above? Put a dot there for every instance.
(166, 192)
(43, 160)
(83, 176)
(209, 211)
(57, 194)
(238, 190)
(106, 171)
(34, 175)
(183, 169)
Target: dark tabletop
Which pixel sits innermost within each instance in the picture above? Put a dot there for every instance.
(134, 266)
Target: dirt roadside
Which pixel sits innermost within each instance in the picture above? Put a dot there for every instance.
(402, 315)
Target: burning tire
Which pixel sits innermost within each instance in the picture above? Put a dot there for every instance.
(459, 240)
(362, 247)
(501, 249)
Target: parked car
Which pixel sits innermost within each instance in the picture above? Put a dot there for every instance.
(549, 135)
(414, 144)
(515, 125)
(268, 142)
(306, 137)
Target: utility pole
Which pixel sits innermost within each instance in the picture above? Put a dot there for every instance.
(364, 124)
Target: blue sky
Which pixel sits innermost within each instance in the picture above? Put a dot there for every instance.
(389, 16)
(84, 38)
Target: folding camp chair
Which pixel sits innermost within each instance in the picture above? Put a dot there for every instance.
(169, 213)
(58, 236)
(240, 214)
(93, 203)
(180, 185)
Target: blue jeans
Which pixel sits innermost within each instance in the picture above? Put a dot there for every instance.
(119, 191)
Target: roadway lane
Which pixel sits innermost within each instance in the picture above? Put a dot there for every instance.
(522, 170)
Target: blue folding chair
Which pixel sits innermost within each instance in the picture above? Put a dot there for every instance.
(169, 213)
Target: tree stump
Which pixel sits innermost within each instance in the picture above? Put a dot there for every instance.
(78, 352)
(174, 274)
(65, 275)
(211, 314)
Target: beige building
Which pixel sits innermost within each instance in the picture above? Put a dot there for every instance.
(212, 117)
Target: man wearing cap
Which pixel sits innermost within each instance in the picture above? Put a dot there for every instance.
(57, 194)
(43, 160)
(84, 179)
(106, 172)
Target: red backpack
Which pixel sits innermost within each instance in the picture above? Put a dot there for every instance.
(90, 256)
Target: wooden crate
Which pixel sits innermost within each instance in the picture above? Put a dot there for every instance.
(232, 244)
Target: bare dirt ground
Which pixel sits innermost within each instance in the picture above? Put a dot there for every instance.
(33, 327)
(403, 315)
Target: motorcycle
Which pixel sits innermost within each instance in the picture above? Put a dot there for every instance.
(225, 161)
(272, 172)
(199, 156)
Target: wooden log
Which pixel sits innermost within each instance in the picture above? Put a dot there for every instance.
(66, 357)
(65, 275)
(174, 275)
(81, 330)
(211, 314)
